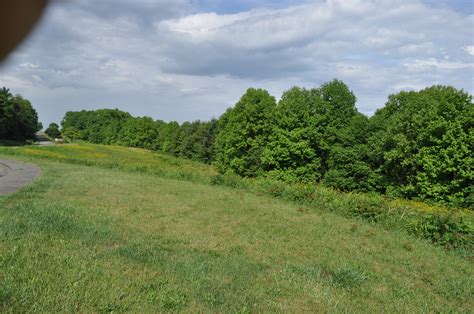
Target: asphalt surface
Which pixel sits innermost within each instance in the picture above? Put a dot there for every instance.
(15, 174)
(45, 143)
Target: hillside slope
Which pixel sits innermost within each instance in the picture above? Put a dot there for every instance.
(95, 235)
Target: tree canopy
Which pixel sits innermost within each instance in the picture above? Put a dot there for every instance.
(53, 130)
(423, 145)
(18, 118)
(243, 133)
(418, 146)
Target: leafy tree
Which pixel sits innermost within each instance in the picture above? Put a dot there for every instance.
(349, 167)
(169, 133)
(71, 134)
(423, 145)
(207, 143)
(418, 146)
(197, 141)
(244, 132)
(292, 151)
(53, 131)
(190, 143)
(18, 118)
(138, 132)
(100, 126)
(307, 127)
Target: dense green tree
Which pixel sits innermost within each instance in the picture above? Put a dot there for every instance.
(169, 133)
(106, 124)
(348, 164)
(207, 141)
(191, 134)
(18, 118)
(53, 130)
(197, 141)
(423, 145)
(71, 134)
(292, 152)
(138, 132)
(244, 132)
(100, 126)
(418, 146)
(308, 125)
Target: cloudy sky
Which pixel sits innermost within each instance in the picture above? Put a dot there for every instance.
(191, 59)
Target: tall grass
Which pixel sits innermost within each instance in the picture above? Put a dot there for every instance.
(118, 157)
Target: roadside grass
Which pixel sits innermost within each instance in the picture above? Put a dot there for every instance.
(118, 157)
(92, 239)
(448, 227)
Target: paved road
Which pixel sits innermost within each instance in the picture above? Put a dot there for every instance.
(15, 174)
(43, 139)
(45, 143)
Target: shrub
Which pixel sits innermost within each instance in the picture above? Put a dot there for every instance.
(446, 230)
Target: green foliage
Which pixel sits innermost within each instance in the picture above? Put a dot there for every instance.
(293, 151)
(423, 145)
(444, 229)
(105, 126)
(138, 132)
(53, 131)
(349, 167)
(315, 132)
(18, 118)
(71, 134)
(197, 142)
(101, 126)
(419, 146)
(168, 137)
(243, 132)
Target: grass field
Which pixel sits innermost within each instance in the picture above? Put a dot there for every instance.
(120, 229)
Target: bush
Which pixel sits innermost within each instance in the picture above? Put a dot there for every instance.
(446, 230)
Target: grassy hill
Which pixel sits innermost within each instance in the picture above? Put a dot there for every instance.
(121, 229)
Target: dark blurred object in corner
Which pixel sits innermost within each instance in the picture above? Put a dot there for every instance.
(17, 18)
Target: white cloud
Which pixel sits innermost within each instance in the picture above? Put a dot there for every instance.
(254, 29)
(162, 58)
(29, 66)
(469, 50)
(443, 65)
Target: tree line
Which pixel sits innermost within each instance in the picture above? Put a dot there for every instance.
(192, 140)
(18, 118)
(418, 146)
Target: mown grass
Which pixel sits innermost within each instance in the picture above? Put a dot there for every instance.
(448, 227)
(98, 238)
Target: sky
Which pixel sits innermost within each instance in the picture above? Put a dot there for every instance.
(186, 60)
